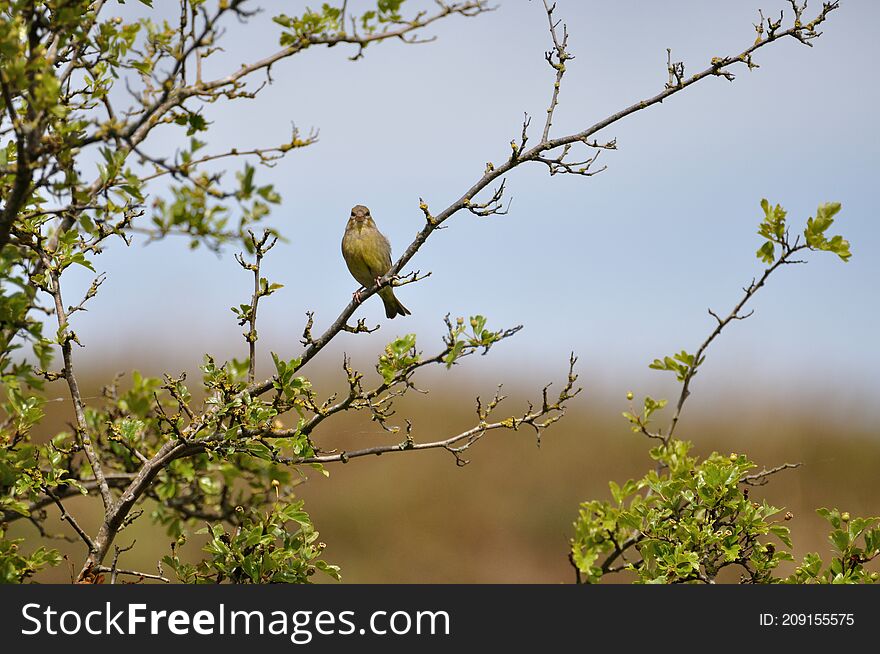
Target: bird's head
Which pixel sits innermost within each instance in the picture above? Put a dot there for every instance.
(360, 216)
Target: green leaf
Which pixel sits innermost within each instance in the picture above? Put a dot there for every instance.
(767, 252)
(840, 539)
(814, 233)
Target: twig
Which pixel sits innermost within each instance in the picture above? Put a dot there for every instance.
(556, 58)
(261, 247)
(750, 290)
(537, 418)
(760, 478)
(131, 573)
(117, 551)
(66, 337)
(71, 520)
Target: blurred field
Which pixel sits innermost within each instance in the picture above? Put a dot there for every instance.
(506, 517)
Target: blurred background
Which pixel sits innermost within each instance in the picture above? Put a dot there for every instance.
(619, 268)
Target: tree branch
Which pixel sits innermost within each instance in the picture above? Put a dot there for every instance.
(70, 520)
(754, 287)
(66, 337)
(556, 58)
(538, 418)
(761, 478)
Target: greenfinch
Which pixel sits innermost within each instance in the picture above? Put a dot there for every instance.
(367, 254)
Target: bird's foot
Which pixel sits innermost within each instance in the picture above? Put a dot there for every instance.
(356, 296)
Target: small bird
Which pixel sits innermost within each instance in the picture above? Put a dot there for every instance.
(367, 254)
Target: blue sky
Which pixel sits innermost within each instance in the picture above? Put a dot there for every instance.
(620, 267)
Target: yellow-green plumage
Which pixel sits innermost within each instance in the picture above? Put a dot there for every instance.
(367, 254)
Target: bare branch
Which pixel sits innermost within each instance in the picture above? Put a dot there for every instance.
(539, 419)
(66, 337)
(261, 289)
(556, 58)
(70, 520)
(491, 207)
(116, 552)
(463, 8)
(735, 314)
(266, 156)
(761, 478)
(131, 573)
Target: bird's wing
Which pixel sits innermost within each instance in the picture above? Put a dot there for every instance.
(377, 256)
(386, 249)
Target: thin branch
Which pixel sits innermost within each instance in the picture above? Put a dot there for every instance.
(66, 337)
(620, 551)
(556, 58)
(80, 47)
(71, 520)
(761, 478)
(537, 418)
(117, 551)
(358, 398)
(266, 156)
(261, 288)
(735, 314)
(115, 480)
(131, 573)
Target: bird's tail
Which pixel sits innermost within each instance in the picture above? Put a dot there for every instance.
(393, 307)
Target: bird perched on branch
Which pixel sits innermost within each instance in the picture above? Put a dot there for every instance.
(367, 254)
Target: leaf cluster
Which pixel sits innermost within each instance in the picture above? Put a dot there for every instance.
(280, 546)
(682, 525)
